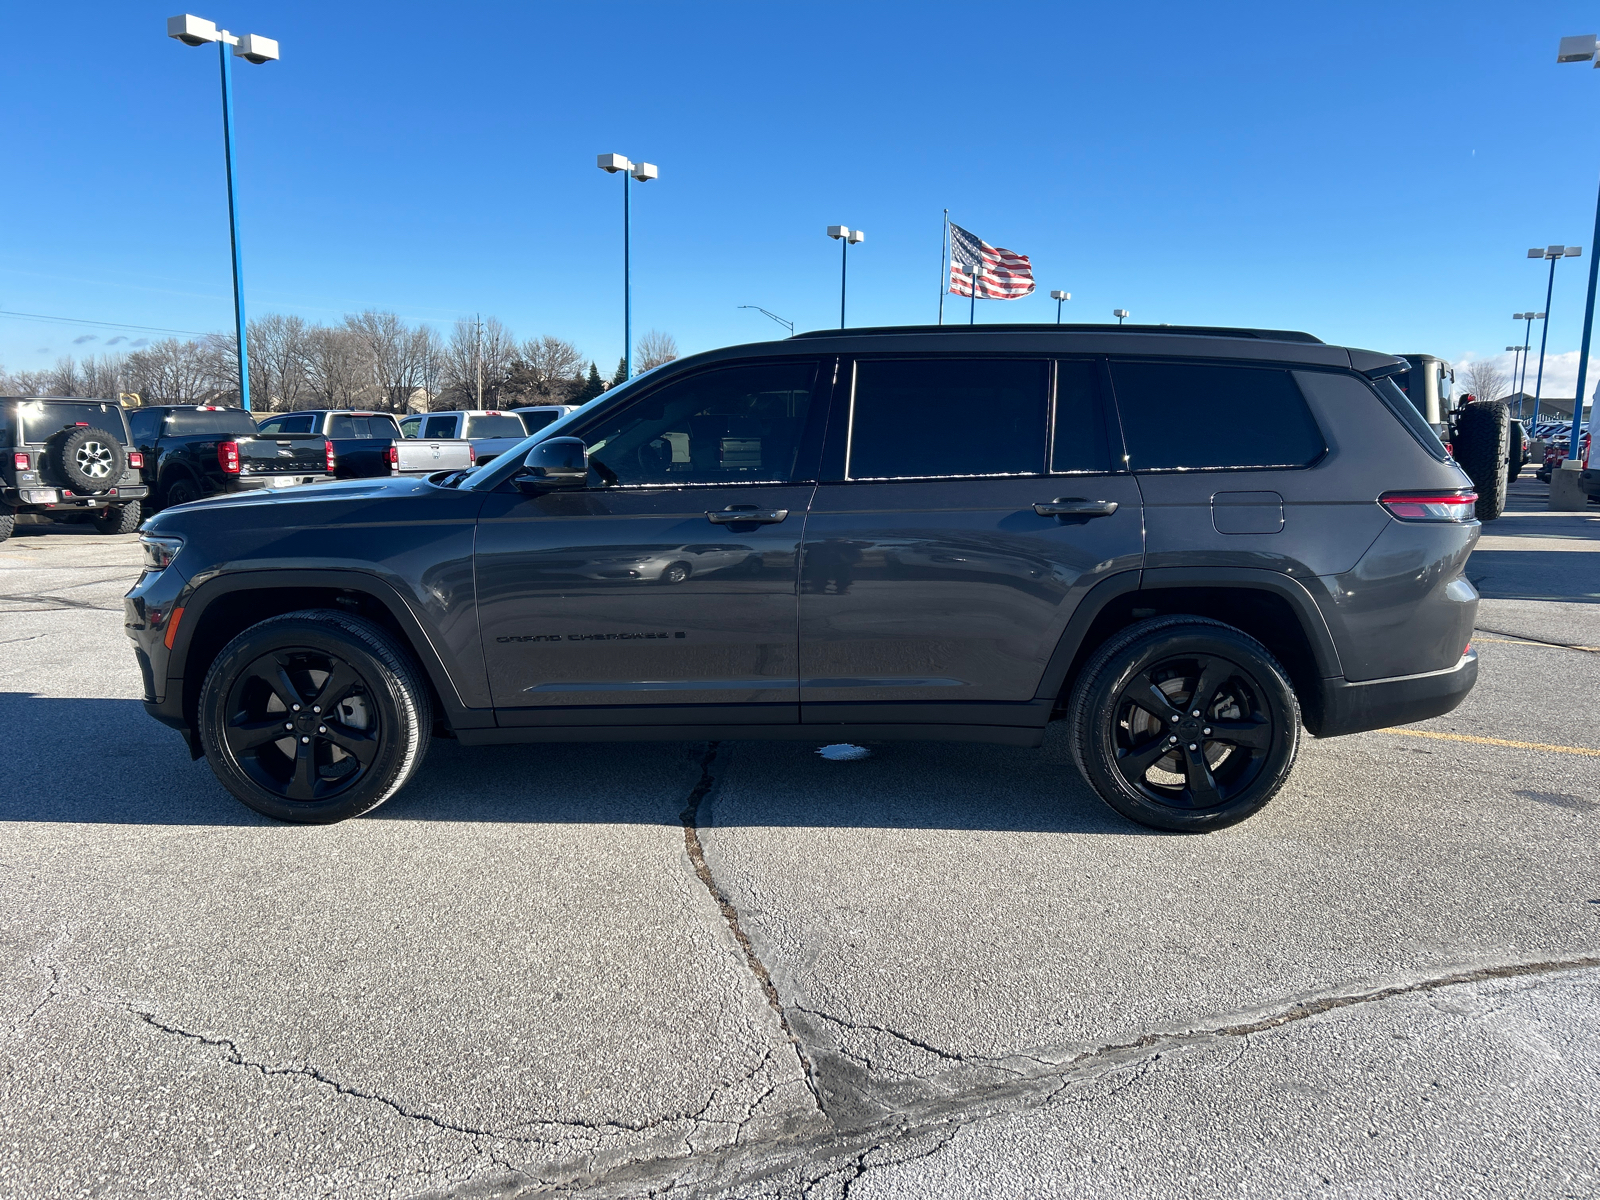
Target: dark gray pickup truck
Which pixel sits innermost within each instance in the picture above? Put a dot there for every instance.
(1187, 544)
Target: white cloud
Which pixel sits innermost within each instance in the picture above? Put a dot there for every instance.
(1560, 371)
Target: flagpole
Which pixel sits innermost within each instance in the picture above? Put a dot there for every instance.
(944, 264)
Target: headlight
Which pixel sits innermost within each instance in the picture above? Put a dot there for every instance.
(160, 551)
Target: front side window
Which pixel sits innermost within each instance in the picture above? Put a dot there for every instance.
(440, 427)
(1194, 416)
(145, 424)
(539, 418)
(299, 423)
(741, 424)
(922, 418)
(410, 427)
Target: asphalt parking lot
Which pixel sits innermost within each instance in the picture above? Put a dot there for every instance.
(741, 969)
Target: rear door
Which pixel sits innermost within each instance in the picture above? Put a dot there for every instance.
(968, 504)
(664, 593)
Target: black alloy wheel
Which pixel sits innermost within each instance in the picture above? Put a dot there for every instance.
(314, 716)
(181, 490)
(1184, 723)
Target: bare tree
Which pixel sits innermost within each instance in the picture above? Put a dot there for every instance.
(654, 349)
(279, 347)
(397, 354)
(184, 372)
(477, 363)
(1484, 380)
(547, 370)
(335, 366)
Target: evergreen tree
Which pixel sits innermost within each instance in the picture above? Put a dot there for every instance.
(591, 388)
(621, 376)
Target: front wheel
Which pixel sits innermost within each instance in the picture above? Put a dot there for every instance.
(314, 716)
(1184, 723)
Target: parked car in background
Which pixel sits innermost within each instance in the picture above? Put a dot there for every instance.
(1478, 432)
(490, 431)
(1556, 451)
(369, 445)
(68, 459)
(538, 416)
(1185, 544)
(196, 450)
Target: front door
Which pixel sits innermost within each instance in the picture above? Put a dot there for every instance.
(664, 593)
(971, 508)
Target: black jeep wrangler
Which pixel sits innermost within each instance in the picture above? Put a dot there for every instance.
(1184, 543)
(68, 459)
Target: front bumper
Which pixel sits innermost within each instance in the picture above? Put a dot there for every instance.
(1379, 703)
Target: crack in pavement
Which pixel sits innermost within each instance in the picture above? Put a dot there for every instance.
(1541, 641)
(54, 604)
(742, 1169)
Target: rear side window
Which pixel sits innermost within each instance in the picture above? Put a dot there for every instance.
(222, 421)
(915, 419)
(299, 423)
(1397, 402)
(145, 425)
(1194, 416)
(439, 427)
(1079, 440)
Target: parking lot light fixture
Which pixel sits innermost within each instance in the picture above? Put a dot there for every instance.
(1582, 48)
(1121, 314)
(252, 47)
(1555, 254)
(617, 164)
(1058, 297)
(846, 237)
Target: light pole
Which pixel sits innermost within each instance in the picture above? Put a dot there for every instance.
(1580, 49)
(1121, 314)
(789, 325)
(1554, 254)
(1527, 340)
(974, 272)
(1514, 351)
(252, 47)
(1058, 297)
(644, 172)
(847, 237)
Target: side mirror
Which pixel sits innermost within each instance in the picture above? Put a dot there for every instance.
(561, 462)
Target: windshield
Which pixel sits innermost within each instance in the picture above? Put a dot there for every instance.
(495, 425)
(43, 419)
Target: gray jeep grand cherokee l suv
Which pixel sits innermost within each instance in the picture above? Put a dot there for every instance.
(1185, 543)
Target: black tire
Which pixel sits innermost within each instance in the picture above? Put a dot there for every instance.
(371, 682)
(677, 572)
(1483, 448)
(1124, 748)
(119, 518)
(8, 521)
(181, 490)
(87, 458)
(1517, 452)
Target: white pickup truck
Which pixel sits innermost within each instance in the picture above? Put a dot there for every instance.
(491, 432)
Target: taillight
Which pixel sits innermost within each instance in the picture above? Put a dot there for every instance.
(472, 456)
(327, 454)
(136, 460)
(21, 462)
(1430, 506)
(394, 456)
(228, 457)
(1450, 449)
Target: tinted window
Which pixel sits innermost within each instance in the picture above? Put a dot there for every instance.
(1194, 415)
(538, 419)
(43, 419)
(360, 427)
(299, 423)
(495, 425)
(440, 427)
(194, 420)
(1397, 403)
(1080, 430)
(951, 416)
(145, 425)
(733, 425)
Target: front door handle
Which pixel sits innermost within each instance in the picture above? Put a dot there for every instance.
(739, 513)
(1076, 506)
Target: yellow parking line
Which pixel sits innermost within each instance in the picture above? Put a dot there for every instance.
(1488, 741)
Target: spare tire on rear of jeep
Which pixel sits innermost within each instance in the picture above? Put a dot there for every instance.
(87, 459)
(1483, 448)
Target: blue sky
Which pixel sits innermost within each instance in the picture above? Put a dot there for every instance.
(1372, 173)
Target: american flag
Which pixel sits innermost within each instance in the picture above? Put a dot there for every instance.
(1006, 274)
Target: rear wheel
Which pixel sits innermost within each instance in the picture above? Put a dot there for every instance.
(181, 491)
(8, 521)
(1184, 723)
(119, 518)
(314, 716)
(1483, 448)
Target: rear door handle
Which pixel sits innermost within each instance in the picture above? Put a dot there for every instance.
(1076, 506)
(740, 513)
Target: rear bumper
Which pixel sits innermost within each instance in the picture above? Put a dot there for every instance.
(67, 502)
(1589, 481)
(256, 483)
(1379, 703)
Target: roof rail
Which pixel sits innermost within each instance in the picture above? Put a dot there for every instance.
(1272, 335)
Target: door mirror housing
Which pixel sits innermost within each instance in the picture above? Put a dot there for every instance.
(561, 462)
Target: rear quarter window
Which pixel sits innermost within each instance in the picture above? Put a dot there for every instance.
(1210, 416)
(1400, 405)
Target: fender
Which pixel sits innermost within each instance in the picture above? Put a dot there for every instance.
(1093, 603)
(202, 597)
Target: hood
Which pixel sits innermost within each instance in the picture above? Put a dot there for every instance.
(297, 504)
